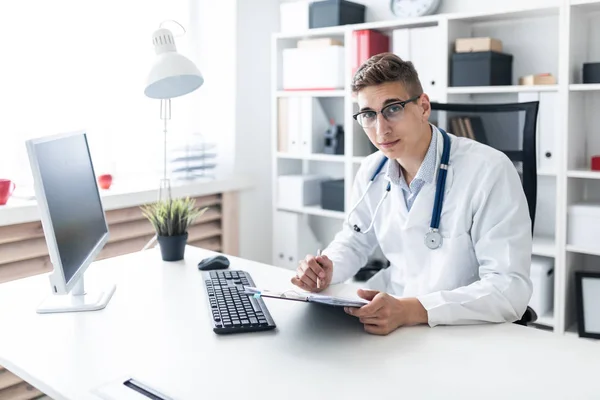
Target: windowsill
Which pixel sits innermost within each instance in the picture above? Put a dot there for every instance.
(18, 211)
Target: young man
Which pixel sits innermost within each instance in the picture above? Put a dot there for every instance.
(475, 268)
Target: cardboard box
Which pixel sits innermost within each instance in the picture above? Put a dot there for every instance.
(540, 79)
(468, 45)
(583, 228)
(542, 279)
(312, 43)
(315, 68)
(297, 191)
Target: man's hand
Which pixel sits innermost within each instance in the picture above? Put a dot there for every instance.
(385, 313)
(314, 273)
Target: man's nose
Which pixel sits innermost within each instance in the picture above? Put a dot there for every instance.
(382, 125)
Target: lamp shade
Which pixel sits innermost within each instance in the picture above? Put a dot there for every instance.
(172, 74)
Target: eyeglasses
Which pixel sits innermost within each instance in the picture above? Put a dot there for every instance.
(392, 112)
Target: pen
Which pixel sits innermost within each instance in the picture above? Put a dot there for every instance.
(318, 255)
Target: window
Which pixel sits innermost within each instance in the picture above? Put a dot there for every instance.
(81, 65)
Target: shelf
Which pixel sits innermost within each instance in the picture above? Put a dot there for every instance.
(501, 89)
(584, 87)
(546, 319)
(546, 172)
(314, 210)
(312, 33)
(581, 250)
(587, 5)
(544, 246)
(583, 174)
(312, 157)
(311, 93)
(492, 16)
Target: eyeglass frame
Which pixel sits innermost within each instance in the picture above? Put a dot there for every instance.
(402, 103)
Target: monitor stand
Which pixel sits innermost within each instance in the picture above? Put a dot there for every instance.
(77, 300)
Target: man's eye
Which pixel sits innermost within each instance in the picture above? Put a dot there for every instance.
(368, 115)
(396, 108)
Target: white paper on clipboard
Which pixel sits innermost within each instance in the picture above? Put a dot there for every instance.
(307, 297)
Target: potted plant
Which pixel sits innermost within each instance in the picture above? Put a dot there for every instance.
(171, 220)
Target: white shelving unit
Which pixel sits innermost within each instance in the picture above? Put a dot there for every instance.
(556, 39)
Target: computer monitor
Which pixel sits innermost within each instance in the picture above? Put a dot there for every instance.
(72, 217)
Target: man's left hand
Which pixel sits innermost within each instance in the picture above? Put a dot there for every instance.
(384, 313)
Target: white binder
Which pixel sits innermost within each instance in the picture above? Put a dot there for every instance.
(422, 46)
(547, 123)
(314, 123)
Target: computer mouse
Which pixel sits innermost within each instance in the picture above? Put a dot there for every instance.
(214, 262)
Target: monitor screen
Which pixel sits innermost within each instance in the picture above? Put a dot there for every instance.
(73, 200)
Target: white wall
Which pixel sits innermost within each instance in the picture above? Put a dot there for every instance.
(256, 20)
(378, 10)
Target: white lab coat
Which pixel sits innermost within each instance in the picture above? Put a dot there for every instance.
(481, 271)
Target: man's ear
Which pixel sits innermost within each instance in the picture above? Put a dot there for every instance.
(425, 107)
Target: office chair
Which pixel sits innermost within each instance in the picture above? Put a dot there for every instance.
(510, 128)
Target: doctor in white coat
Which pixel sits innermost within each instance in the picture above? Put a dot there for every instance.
(472, 264)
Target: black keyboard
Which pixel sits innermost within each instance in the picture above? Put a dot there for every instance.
(233, 311)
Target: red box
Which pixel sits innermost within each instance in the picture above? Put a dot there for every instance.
(368, 43)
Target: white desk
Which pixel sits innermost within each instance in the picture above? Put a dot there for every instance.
(157, 328)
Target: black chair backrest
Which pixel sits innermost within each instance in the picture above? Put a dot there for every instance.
(510, 128)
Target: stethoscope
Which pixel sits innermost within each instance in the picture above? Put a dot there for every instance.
(433, 238)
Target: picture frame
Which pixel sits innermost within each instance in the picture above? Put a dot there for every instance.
(587, 293)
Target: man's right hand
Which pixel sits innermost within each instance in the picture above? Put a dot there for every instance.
(314, 273)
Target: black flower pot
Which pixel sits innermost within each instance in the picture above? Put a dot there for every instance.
(172, 248)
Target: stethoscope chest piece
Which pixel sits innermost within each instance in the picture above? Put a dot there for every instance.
(433, 240)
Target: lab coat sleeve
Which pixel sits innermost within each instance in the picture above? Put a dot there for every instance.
(350, 250)
(502, 240)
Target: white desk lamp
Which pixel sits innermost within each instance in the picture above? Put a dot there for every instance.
(172, 75)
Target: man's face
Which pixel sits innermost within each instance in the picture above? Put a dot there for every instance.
(402, 130)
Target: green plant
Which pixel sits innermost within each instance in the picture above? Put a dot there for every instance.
(172, 217)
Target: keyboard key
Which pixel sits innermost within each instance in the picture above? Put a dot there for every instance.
(245, 322)
(253, 321)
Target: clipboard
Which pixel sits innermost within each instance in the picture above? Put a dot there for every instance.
(305, 297)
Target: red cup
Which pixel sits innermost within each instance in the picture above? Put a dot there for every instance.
(7, 187)
(105, 181)
(595, 163)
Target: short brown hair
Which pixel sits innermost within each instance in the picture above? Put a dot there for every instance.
(387, 67)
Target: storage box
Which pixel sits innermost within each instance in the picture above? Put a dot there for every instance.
(293, 17)
(324, 42)
(317, 68)
(335, 12)
(540, 79)
(591, 73)
(468, 45)
(542, 278)
(584, 225)
(486, 68)
(294, 191)
(332, 195)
